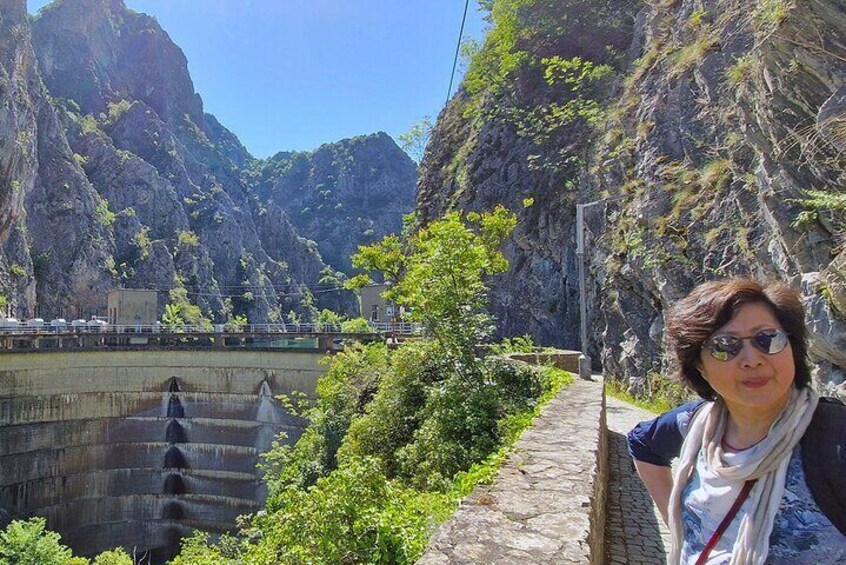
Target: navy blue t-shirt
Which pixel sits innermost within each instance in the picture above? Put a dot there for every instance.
(658, 441)
(802, 533)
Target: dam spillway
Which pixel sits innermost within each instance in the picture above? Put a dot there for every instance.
(138, 448)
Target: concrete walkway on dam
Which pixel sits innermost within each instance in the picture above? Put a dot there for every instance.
(635, 534)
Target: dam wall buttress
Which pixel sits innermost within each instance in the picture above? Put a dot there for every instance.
(138, 448)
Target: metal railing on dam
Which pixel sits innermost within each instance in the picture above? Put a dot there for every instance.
(136, 448)
(324, 337)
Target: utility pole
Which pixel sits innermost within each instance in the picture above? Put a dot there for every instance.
(580, 253)
(585, 362)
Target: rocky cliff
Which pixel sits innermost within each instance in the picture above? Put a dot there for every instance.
(113, 175)
(725, 148)
(168, 174)
(342, 195)
(48, 207)
(716, 149)
(503, 140)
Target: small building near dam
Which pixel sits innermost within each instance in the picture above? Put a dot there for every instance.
(374, 307)
(132, 307)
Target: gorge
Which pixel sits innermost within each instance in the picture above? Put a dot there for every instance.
(708, 134)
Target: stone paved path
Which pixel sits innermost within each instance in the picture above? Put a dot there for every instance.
(635, 533)
(540, 508)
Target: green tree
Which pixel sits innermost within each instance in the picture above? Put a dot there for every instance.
(236, 323)
(326, 319)
(180, 311)
(356, 326)
(115, 557)
(30, 543)
(386, 257)
(414, 141)
(331, 277)
(439, 273)
(198, 550)
(171, 316)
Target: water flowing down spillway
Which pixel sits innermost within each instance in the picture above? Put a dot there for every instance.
(138, 449)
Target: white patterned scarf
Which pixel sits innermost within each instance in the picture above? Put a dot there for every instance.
(770, 468)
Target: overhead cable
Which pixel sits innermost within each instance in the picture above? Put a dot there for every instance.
(457, 49)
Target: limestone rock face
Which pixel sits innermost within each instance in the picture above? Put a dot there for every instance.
(719, 153)
(97, 51)
(52, 249)
(113, 175)
(730, 120)
(483, 153)
(342, 195)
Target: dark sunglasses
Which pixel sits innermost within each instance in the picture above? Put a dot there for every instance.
(725, 347)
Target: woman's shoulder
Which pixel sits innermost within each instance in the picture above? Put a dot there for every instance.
(658, 441)
(823, 446)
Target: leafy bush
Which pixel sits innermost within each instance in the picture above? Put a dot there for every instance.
(198, 550)
(29, 543)
(142, 243)
(88, 124)
(326, 319)
(356, 326)
(188, 239)
(396, 411)
(17, 270)
(354, 515)
(180, 311)
(236, 323)
(519, 344)
(117, 110)
(342, 393)
(461, 419)
(116, 557)
(104, 216)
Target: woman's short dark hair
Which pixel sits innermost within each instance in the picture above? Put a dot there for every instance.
(712, 305)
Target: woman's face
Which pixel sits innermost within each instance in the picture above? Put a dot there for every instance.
(751, 379)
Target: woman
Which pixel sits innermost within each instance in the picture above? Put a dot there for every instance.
(740, 494)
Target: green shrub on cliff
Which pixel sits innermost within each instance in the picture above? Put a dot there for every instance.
(180, 310)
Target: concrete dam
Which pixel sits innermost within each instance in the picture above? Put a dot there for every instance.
(139, 448)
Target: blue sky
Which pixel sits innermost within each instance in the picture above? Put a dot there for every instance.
(292, 74)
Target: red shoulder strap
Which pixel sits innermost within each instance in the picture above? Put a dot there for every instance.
(721, 529)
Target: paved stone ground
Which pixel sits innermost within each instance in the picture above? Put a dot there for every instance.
(539, 509)
(634, 533)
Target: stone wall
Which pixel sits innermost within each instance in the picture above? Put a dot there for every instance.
(547, 505)
(137, 448)
(560, 359)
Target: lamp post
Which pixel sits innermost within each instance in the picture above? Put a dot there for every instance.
(585, 362)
